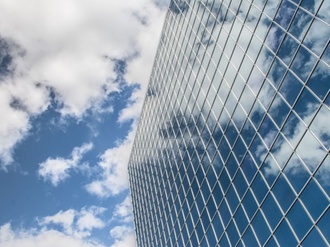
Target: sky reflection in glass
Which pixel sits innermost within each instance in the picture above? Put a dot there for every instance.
(233, 142)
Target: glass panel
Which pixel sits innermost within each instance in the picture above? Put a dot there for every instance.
(314, 239)
(218, 228)
(285, 14)
(240, 184)
(274, 37)
(249, 238)
(317, 36)
(248, 167)
(284, 199)
(303, 63)
(299, 220)
(250, 204)
(261, 228)
(300, 24)
(224, 212)
(320, 80)
(324, 224)
(284, 235)
(277, 72)
(211, 237)
(232, 233)
(287, 49)
(272, 211)
(232, 198)
(259, 187)
(290, 88)
(241, 219)
(233, 142)
(310, 195)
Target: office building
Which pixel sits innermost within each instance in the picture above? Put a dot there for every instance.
(232, 148)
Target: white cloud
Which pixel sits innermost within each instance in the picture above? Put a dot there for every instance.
(15, 125)
(63, 46)
(114, 161)
(75, 223)
(43, 238)
(58, 169)
(114, 176)
(75, 231)
(88, 219)
(76, 228)
(64, 219)
(123, 235)
(123, 211)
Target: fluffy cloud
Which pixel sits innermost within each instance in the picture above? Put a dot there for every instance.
(77, 223)
(123, 235)
(44, 238)
(76, 229)
(123, 210)
(64, 49)
(114, 176)
(58, 169)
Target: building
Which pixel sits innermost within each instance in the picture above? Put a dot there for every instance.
(232, 148)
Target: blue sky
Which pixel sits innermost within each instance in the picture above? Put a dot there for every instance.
(72, 80)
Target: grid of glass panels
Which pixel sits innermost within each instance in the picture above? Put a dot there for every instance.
(232, 147)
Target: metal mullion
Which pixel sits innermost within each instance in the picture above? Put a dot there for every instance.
(289, 143)
(224, 190)
(250, 41)
(193, 31)
(255, 235)
(297, 198)
(317, 228)
(235, 211)
(209, 13)
(225, 227)
(245, 54)
(244, 211)
(314, 222)
(168, 48)
(218, 238)
(188, 85)
(210, 131)
(287, 33)
(177, 43)
(205, 75)
(233, 23)
(311, 14)
(187, 38)
(154, 63)
(221, 83)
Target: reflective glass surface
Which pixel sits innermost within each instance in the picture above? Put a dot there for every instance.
(232, 148)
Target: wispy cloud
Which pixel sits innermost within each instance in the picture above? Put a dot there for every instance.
(58, 169)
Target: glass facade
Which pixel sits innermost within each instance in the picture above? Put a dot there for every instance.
(232, 148)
